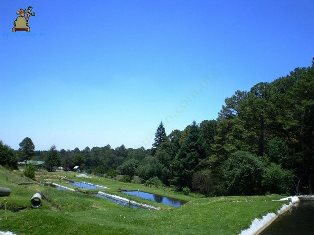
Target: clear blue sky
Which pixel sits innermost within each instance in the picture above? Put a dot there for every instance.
(92, 73)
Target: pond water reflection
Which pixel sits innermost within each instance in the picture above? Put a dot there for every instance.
(157, 198)
(83, 185)
(298, 221)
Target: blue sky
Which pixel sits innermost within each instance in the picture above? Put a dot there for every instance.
(92, 73)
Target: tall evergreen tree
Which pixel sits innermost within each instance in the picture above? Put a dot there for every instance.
(27, 148)
(208, 133)
(160, 137)
(188, 159)
(53, 159)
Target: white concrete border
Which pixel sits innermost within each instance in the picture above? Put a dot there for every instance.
(6, 233)
(125, 200)
(99, 186)
(258, 225)
(64, 187)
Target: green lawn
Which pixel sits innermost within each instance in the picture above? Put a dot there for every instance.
(75, 213)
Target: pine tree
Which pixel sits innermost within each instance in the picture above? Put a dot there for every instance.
(160, 137)
(53, 159)
(187, 160)
(27, 148)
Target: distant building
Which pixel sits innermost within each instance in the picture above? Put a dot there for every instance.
(33, 163)
(60, 168)
(77, 169)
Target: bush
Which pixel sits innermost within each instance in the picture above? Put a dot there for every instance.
(149, 168)
(242, 174)
(111, 173)
(128, 167)
(136, 180)
(154, 181)
(123, 178)
(30, 172)
(202, 181)
(186, 190)
(99, 170)
(277, 180)
(119, 177)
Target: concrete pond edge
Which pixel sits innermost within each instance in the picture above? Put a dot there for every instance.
(260, 224)
(7, 233)
(125, 200)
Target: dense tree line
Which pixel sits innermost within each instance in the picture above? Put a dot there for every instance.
(261, 142)
(7, 156)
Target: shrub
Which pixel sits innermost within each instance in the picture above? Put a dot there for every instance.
(126, 178)
(202, 181)
(154, 181)
(186, 190)
(242, 174)
(123, 178)
(111, 173)
(119, 177)
(30, 172)
(128, 167)
(277, 180)
(149, 168)
(136, 180)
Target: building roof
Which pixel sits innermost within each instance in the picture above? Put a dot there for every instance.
(32, 162)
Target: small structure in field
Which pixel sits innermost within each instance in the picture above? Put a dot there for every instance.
(38, 164)
(77, 169)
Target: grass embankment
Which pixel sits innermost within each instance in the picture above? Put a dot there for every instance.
(74, 213)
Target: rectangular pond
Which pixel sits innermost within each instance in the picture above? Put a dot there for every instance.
(85, 185)
(112, 198)
(155, 197)
(299, 220)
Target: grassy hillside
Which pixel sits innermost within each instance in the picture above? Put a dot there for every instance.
(75, 213)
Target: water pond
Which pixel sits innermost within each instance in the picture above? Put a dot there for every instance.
(111, 198)
(155, 197)
(298, 221)
(84, 185)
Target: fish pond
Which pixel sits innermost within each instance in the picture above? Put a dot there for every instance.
(155, 197)
(297, 221)
(89, 186)
(84, 185)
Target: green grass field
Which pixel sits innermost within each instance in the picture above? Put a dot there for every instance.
(66, 212)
